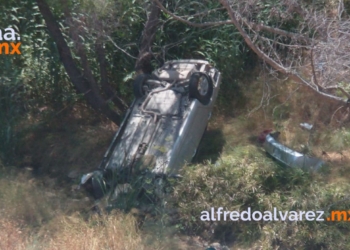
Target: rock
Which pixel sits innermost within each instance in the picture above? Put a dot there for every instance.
(306, 126)
(217, 246)
(73, 174)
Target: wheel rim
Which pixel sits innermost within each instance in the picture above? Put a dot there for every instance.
(203, 86)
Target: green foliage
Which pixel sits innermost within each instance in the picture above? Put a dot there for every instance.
(119, 21)
(347, 6)
(246, 178)
(35, 83)
(31, 80)
(282, 112)
(338, 139)
(220, 45)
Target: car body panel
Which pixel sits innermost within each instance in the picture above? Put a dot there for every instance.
(288, 156)
(162, 129)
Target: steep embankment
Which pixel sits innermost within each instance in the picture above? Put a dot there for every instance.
(241, 176)
(42, 208)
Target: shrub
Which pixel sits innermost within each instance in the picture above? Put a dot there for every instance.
(247, 178)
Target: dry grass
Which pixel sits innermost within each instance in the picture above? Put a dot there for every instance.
(44, 206)
(117, 232)
(12, 235)
(107, 232)
(36, 217)
(39, 214)
(242, 163)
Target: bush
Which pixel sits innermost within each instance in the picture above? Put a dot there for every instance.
(247, 178)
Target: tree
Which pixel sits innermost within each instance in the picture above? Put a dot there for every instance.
(305, 41)
(82, 79)
(143, 62)
(81, 73)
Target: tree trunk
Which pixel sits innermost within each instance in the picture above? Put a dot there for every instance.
(143, 62)
(79, 80)
(107, 89)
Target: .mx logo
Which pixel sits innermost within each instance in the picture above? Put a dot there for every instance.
(8, 44)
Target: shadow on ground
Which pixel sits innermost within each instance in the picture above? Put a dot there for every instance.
(210, 147)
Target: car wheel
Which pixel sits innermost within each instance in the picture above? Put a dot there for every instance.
(140, 83)
(201, 87)
(99, 186)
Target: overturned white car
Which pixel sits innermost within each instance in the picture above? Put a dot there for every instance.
(164, 125)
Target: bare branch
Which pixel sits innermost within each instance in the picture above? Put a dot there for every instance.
(313, 68)
(122, 50)
(143, 62)
(285, 51)
(198, 25)
(204, 12)
(106, 87)
(261, 27)
(341, 89)
(251, 25)
(293, 75)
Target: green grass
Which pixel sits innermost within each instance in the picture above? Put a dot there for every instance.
(247, 178)
(243, 176)
(231, 170)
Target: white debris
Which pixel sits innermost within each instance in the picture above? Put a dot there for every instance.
(306, 125)
(73, 174)
(121, 189)
(85, 178)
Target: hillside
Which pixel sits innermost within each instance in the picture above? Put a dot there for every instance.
(67, 77)
(42, 208)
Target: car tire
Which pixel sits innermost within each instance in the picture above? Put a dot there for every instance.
(140, 82)
(99, 186)
(201, 87)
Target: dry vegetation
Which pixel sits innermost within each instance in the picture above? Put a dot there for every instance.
(36, 217)
(244, 177)
(40, 208)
